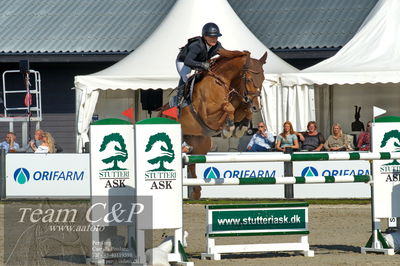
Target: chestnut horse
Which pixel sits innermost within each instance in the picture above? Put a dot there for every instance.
(222, 102)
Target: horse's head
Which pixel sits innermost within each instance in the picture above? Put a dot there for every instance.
(252, 80)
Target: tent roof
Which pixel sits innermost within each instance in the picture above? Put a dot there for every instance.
(104, 26)
(152, 65)
(371, 56)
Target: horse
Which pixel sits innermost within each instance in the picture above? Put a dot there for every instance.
(223, 102)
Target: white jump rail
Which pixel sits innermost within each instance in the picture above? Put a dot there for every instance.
(275, 157)
(276, 180)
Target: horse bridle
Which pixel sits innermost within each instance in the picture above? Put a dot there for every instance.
(246, 96)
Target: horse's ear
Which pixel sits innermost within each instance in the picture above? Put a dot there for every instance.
(263, 59)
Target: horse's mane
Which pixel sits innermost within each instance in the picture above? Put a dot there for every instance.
(227, 55)
(231, 54)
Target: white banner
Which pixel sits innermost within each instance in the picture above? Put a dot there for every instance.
(241, 170)
(332, 168)
(112, 159)
(386, 138)
(47, 175)
(158, 145)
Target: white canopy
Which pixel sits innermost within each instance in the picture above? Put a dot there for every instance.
(152, 64)
(371, 56)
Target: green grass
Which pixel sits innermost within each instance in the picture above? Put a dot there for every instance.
(252, 201)
(211, 201)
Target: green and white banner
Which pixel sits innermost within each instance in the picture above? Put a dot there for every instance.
(158, 145)
(112, 158)
(257, 219)
(386, 138)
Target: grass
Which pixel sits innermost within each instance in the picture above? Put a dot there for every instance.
(252, 201)
(209, 201)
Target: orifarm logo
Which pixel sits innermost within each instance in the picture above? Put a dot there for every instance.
(161, 152)
(21, 176)
(211, 172)
(114, 148)
(309, 171)
(391, 140)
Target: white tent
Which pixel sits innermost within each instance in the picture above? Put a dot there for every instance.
(371, 58)
(152, 65)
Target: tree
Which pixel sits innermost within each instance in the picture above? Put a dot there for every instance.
(167, 152)
(121, 154)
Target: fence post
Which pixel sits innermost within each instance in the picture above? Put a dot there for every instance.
(2, 174)
(289, 188)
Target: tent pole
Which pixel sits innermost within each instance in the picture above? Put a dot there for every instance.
(136, 105)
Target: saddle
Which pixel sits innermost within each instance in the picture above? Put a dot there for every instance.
(189, 86)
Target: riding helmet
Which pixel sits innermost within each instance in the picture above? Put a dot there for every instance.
(211, 29)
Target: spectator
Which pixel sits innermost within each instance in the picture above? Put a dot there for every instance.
(287, 141)
(364, 139)
(36, 142)
(262, 140)
(337, 141)
(47, 145)
(312, 140)
(9, 144)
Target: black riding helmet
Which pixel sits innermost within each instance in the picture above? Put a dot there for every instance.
(211, 29)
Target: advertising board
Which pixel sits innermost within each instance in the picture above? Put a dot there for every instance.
(47, 175)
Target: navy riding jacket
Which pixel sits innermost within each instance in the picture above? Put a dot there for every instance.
(194, 53)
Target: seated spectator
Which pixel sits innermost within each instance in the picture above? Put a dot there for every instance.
(47, 145)
(287, 141)
(36, 142)
(338, 141)
(262, 140)
(364, 139)
(312, 140)
(9, 145)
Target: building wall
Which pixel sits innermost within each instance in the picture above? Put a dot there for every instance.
(385, 96)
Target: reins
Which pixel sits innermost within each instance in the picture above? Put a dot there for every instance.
(242, 92)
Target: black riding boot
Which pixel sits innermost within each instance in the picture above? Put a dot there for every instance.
(179, 98)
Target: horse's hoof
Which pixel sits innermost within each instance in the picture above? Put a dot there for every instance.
(239, 132)
(227, 133)
(196, 193)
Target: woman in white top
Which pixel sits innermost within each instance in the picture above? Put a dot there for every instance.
(47, 145)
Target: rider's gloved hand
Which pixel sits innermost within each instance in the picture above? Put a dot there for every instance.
(205, 65)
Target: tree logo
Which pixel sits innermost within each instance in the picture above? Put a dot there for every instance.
(393, 134)
(161, 145)
(114, 143)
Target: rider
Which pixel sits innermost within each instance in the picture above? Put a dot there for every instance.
(196, 53)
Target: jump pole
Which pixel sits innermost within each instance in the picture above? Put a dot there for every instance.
(276, 180)
(278, 157)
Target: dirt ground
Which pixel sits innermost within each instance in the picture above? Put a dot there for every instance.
(336, 234)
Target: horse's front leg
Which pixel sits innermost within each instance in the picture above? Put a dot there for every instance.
(227, 120)
(243, 116)
(201, 145)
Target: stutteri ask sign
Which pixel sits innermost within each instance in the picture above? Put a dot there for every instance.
(257, 219)
(112, 158)
(158, 169)
(386, 138)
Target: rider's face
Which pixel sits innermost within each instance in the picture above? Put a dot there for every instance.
(211, 40)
